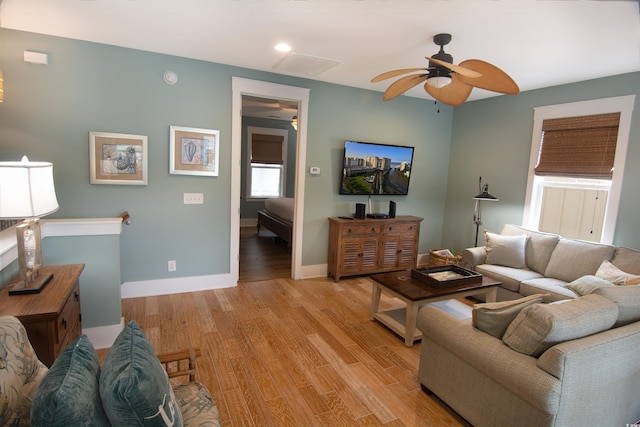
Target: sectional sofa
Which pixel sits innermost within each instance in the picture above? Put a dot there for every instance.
(529, 262)
(560, 346)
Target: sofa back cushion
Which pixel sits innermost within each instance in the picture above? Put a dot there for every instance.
(541, 326)
(572, 259)
(69, 394)
(627, 260)
(539, 246)
(134, 386)
(628, 300)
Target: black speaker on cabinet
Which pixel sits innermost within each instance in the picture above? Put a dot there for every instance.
(392, 209)
(360, 210)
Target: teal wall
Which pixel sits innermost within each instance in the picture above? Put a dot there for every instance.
(100, 279)
(492, 138)
(49, 111)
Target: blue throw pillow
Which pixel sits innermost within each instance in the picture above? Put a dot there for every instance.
(134, 387)
(68, 394)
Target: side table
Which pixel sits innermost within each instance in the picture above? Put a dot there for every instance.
(52, 317)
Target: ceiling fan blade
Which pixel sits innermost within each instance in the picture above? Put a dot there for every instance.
(493, 78)
(402, 85)
(395, 73)
(456, 68)
(454, 94)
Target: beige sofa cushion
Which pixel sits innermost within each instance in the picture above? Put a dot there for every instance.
(628, 300)
(494, 317)
(575, 258)
(539, 246)
(547, 285)
(507, 251)
(587, 284)
(627, 260)
(613, 274)
(508, 276)
(541, 326)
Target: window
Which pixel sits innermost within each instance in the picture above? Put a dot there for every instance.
(266, 170)
(588, 190)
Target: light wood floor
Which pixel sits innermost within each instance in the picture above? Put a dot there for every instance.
(294, 353)
(262, 256)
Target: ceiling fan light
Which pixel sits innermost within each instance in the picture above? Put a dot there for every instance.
(438, 81)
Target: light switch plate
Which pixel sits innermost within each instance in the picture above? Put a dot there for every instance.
(193, 199)
(314, 170)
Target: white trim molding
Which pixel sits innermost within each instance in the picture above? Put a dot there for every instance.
(178, 285)
(58, 228)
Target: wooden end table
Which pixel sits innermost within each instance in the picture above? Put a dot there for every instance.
(415, 293)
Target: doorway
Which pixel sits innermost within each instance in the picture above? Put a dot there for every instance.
(253, 88)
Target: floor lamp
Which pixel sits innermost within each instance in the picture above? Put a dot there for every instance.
(482, 196)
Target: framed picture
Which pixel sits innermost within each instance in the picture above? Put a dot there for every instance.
(117, 158)
(193, 151)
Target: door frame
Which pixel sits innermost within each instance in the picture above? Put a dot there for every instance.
(241, 87)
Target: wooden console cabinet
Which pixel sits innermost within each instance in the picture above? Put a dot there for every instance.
(367, 246)
(52, 317)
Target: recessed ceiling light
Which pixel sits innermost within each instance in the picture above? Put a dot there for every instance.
(282, 47)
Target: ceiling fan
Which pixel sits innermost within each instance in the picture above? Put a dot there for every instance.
(448, 83)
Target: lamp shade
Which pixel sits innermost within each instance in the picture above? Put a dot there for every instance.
(439, 81)
(484, 195)
(26, 189)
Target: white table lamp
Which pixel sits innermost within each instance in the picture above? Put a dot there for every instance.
(27, 192)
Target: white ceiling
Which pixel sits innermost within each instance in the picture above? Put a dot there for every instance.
(538, 43)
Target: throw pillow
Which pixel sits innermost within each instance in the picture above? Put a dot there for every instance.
(505, 250)
(541, 326)
(494, 317)
(586, 284)
(628, 300)
(134, 387)
(68, 395)
(613, 274)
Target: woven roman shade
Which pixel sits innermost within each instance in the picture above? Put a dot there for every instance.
(579, 147)
(266, 149)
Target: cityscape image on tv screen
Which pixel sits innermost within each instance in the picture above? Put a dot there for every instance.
(375, 169)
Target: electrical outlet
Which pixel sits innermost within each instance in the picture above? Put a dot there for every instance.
(171, 265)
(193, 198)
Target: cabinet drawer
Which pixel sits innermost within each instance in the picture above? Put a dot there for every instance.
(401, 228)
(68, 322)
(363, 229)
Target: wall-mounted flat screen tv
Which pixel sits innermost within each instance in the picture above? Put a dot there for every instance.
(375, 169)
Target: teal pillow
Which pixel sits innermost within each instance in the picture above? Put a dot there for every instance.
(134, 387)
(68, 394)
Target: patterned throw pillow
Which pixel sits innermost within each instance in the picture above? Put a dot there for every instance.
(134, 387)
(68, 395)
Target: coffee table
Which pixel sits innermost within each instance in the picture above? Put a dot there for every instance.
(414, 293)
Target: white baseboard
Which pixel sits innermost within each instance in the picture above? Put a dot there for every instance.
(178, 285)
(103, 336)
(313, 271)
